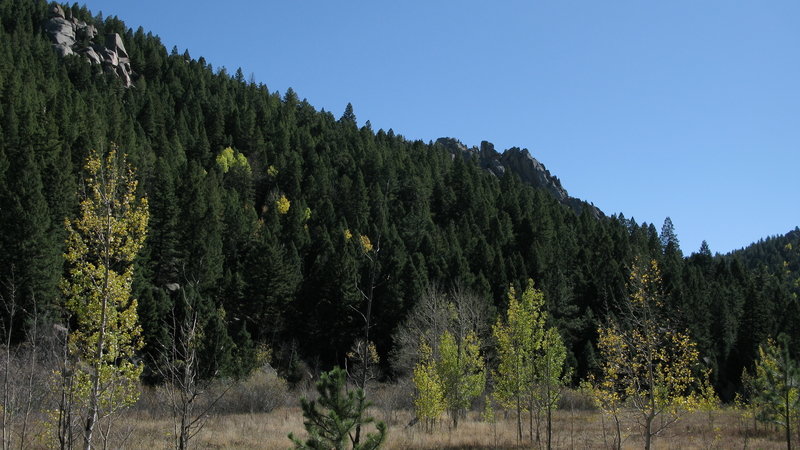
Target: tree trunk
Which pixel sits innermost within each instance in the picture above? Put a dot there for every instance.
(33, 338)
(648, 435)
(519, 420)
(549, 400)
(549, 426)
(530, 419)
(65, 402)
(94, 400)
(788, 421)
(6, 433)
(365, 359)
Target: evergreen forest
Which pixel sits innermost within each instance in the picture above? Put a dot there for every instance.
(288, 223)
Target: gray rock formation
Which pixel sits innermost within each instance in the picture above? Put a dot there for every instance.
(67, 34)
(63, 49)
(85, 31)
(519, 162)
(61, 31)
(92, 55)
(532, 172)
(57, 11)
(114, 43)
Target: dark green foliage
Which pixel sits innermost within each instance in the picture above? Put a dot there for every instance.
(776, 386)
(331, 420)
(288, 279)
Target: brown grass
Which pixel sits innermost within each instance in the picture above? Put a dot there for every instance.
(149, 426)
(578, 429)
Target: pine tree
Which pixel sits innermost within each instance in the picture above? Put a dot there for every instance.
(777, 386)
(331, 419)
(28, 253)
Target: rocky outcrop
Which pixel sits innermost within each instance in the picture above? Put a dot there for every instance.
(520, 162)
(71, 36)
(532, 172)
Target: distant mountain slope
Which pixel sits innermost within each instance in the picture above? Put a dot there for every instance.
(778, 254)
(522, 164)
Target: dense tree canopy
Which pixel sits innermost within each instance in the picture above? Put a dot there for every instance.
(252, 195)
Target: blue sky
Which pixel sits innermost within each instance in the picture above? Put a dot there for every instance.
(684, 109)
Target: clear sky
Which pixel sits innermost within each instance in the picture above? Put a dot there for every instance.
(683, 108)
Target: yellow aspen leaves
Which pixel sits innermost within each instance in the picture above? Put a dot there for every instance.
(229, 158)
(646, 362)
(366, 244)
(429, 401)
(101, 246)
(282, 204)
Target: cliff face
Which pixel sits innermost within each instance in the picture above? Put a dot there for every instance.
(71, 36)
(523, 164)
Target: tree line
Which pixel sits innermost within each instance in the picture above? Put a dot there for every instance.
(288, 226)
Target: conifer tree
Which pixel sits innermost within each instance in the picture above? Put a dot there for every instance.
(27, 247)
(332, 418)
(777, 386)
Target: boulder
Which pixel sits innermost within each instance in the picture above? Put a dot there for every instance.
(57, 11)
(90, 32)
(61, 31)
(109, 57)
(123, 71)
(63, 50)
(85, 31)
(92, 55)
(114, 42)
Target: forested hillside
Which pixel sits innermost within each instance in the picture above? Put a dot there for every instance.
(280, 216)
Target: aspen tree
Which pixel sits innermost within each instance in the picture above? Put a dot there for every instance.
(429, 401)
(645, 358)
(519, 338)
(461, 370)
(101, 246)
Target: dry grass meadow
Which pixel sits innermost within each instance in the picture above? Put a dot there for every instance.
(578, 429)
(575, 426)
(260, 412)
